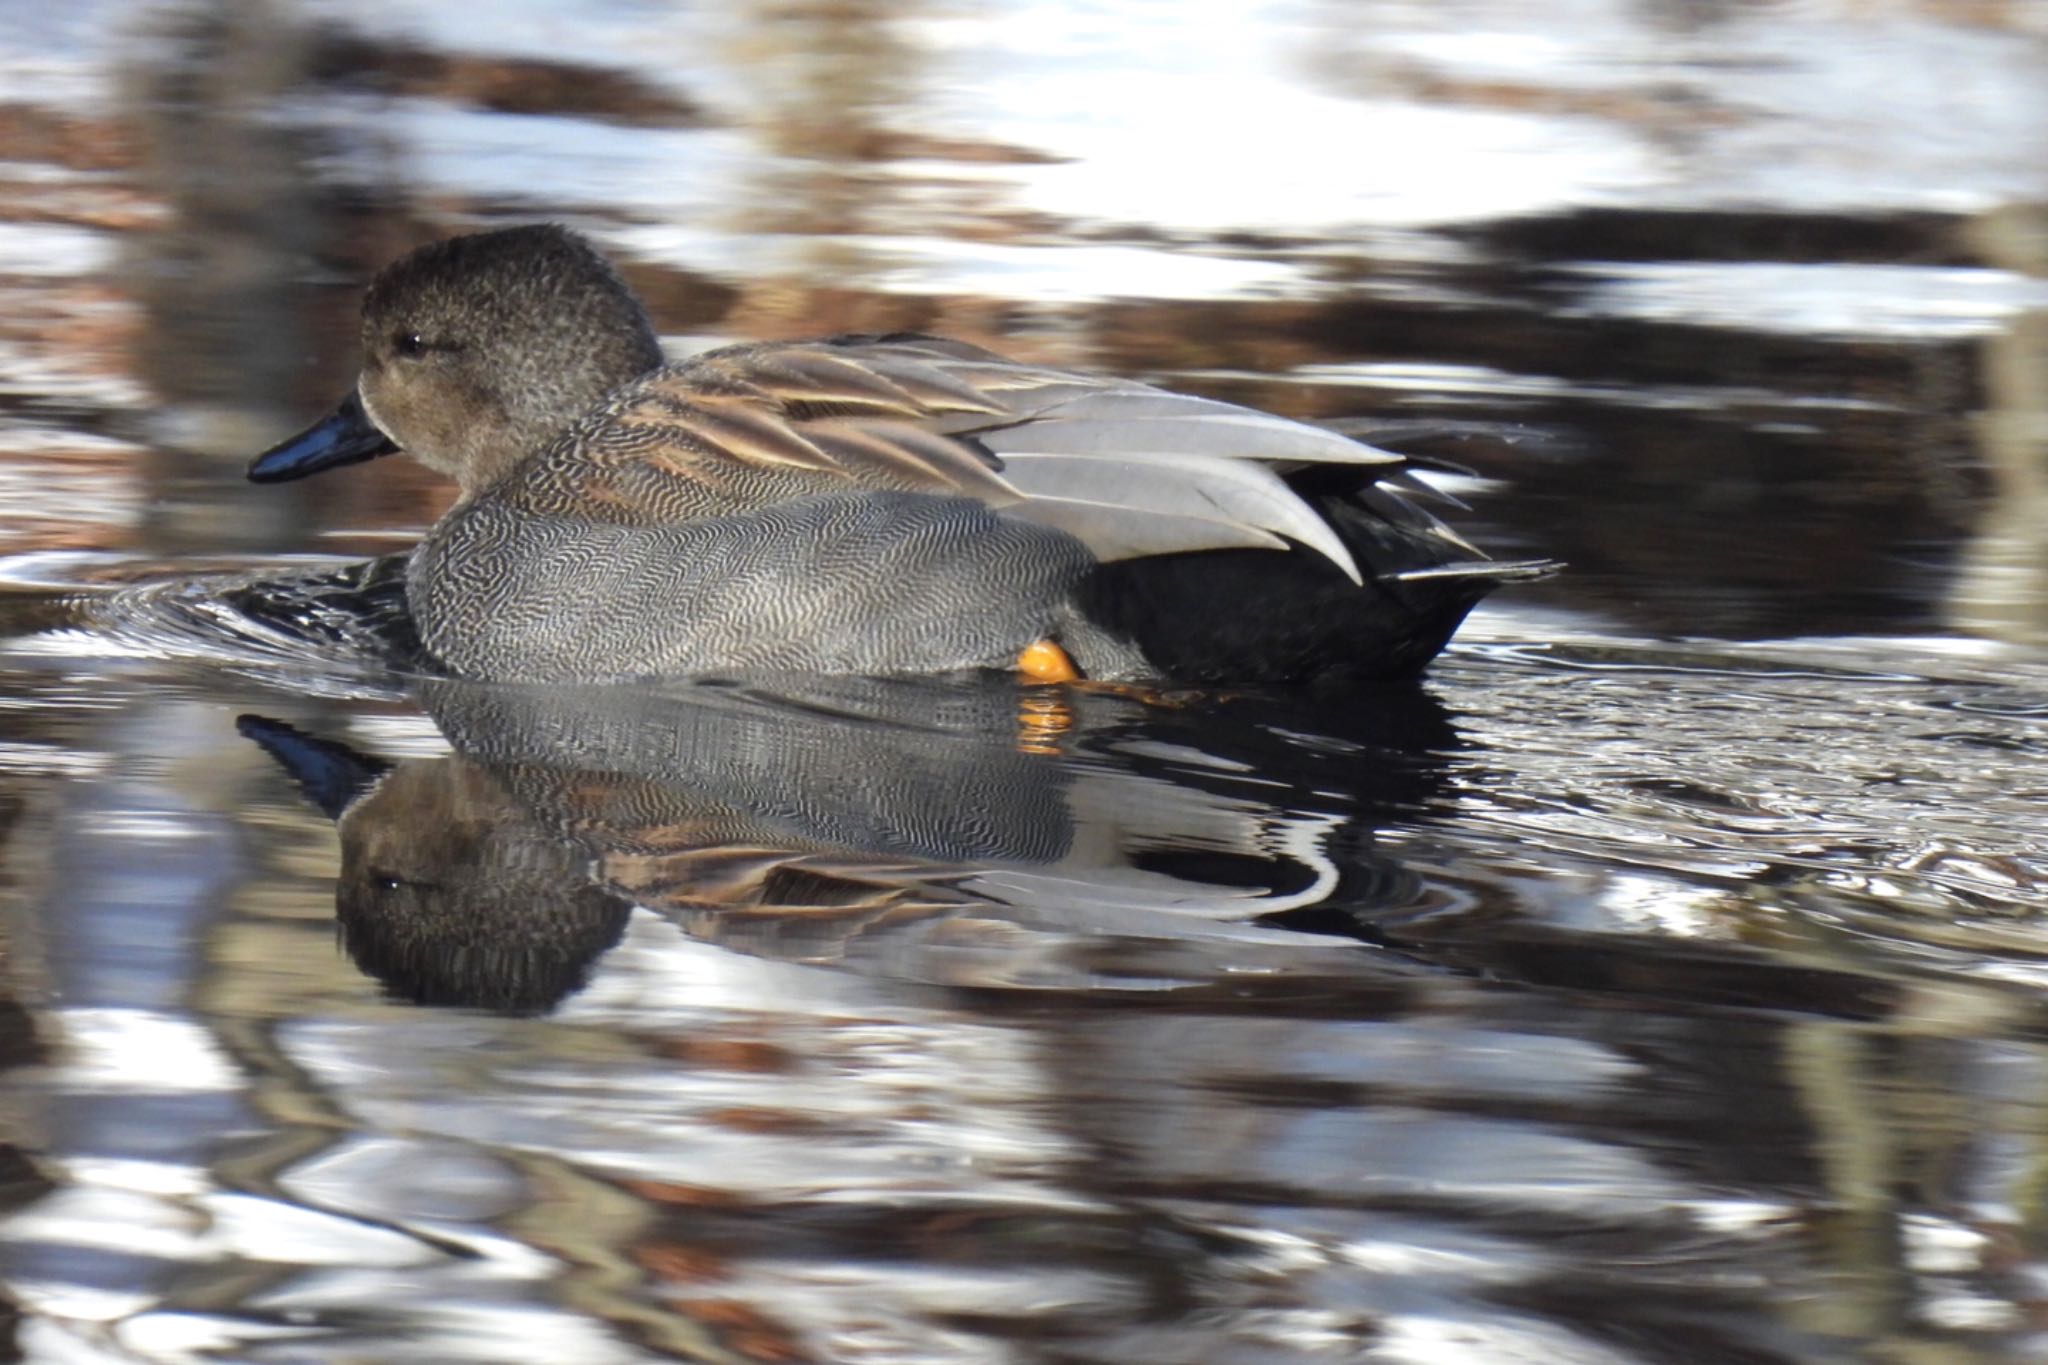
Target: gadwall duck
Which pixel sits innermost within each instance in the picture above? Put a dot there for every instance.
(859, 504)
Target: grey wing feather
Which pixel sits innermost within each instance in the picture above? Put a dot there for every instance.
(1114, 532)
(1203, 472)
(1214, 502)
(1113, 422)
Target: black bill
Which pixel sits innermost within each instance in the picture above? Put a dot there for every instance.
(344, 436)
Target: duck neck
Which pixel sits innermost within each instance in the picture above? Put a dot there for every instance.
(488, 467)
(548, 410)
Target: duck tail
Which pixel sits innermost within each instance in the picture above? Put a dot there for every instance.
(1251, 616)
(1489, 571)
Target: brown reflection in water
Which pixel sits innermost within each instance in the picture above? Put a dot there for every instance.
(834, 89)
(823, 77)
(345, 59)
(1667, 1186)
(2003, 591)
(64, 469)
(22, 1182)
(228, 334)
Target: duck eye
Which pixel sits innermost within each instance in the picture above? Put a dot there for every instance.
(409, 344)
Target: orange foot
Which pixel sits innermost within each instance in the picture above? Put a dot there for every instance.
(1046, 662)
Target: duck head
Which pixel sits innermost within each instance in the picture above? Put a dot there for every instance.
(477, 351)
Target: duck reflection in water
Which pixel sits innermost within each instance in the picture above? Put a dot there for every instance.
(964, 834)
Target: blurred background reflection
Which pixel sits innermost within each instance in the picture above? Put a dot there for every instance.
(1663, 983)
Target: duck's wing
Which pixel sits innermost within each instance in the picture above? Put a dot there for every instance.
(1128, 469)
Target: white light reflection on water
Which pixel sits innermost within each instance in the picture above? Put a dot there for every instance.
(131, 1051)
(53, 249)
(1832, 300)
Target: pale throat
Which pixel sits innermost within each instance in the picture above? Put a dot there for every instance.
(476, 455)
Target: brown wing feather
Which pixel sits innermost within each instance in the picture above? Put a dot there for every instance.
(751, 433)
(805, 381)
(845, 379)
(749, 426)
(902, 456)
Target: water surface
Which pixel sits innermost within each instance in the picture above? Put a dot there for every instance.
(1662, 982)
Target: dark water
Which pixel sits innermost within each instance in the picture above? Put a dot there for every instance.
(1664, 982)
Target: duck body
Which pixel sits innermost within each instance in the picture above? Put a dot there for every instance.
(869, 582)
(860, 504)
